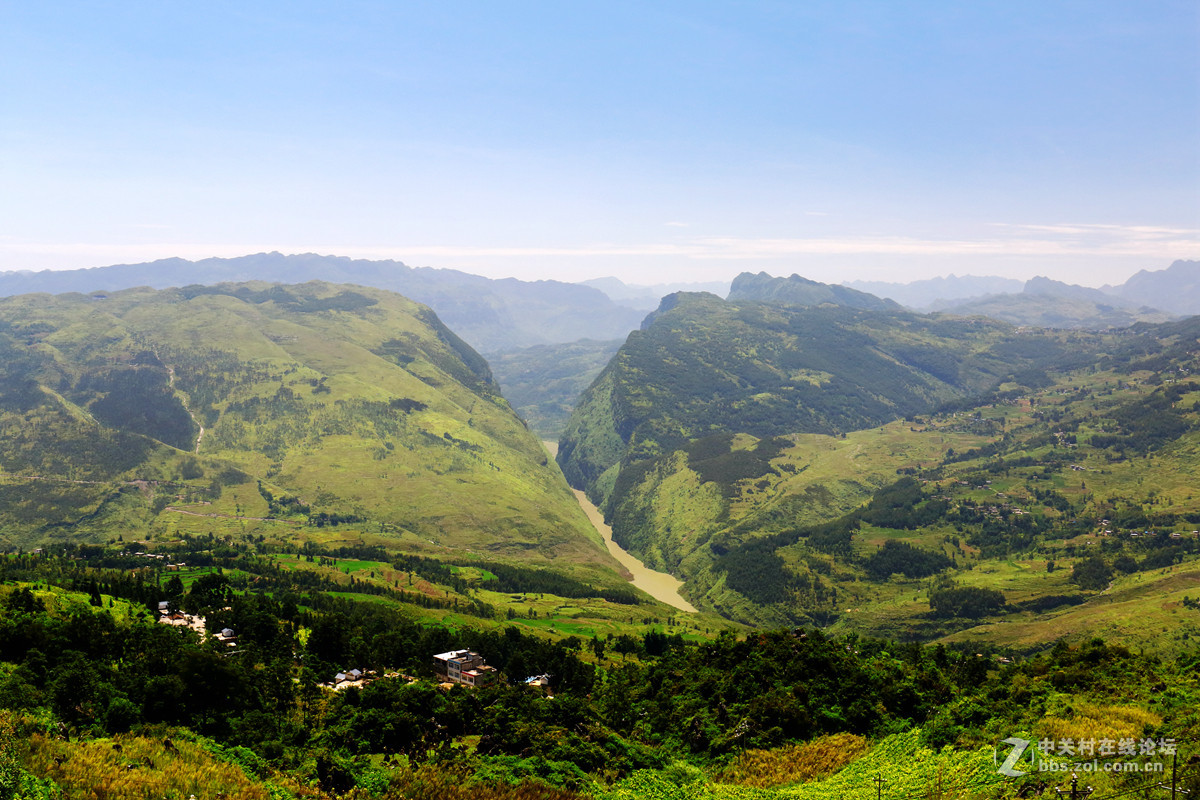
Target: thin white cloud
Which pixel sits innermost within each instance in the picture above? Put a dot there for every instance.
(1157, 243)
(1054, 241)
(1092, 228)
(1044, 241)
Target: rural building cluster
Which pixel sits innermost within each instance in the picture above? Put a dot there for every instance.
(178, 619)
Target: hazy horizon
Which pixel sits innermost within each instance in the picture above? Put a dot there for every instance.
(898, 280)
(653, 143)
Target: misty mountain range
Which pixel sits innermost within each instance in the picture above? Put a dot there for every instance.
(490, 315)
(501, 315)
(1174, 290)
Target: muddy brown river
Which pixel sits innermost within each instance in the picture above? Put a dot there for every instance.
(659, 585)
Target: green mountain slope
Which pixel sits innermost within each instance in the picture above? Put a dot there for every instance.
(795, 290)
(702, 365)
(1059, 504)
(1072, 515)
(256, 407)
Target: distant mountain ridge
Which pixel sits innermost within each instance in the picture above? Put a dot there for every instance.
(1047, 303)
(1175, 289)
(1049, 286)
(648, 297)
(1148, 296)
(491, 315)
(1049, 311)
(938, 292)
(795, 290)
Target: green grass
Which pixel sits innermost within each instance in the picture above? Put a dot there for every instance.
(451, 465)
(532, 611)
(907, 768)
(361, 598)
(1140, 610)
(473, 573)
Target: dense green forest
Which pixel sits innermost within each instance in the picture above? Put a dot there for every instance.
(89, 676)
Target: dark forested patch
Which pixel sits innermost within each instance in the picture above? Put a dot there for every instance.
(1146, 424)
(941, 363)
(139, 400)
(407, 405)
(754, 570)
(901, 558)
(965, 601)
(708, 447)
(738, 465)
(1092, 573)
(902, 506)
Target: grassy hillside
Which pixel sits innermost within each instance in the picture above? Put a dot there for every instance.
(312, 411)
(245, 431)
(703, 366)
(1058, 505)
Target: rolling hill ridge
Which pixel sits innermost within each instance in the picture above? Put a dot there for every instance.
(264, 409)
(492, 315)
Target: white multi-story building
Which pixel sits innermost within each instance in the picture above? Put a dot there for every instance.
(464, 666)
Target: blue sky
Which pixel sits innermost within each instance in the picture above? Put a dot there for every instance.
(653, 141)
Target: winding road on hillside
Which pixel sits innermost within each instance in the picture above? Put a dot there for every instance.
(659, 585)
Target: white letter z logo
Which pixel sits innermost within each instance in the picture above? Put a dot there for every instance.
(1019, 747)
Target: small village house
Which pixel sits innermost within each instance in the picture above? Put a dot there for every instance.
(464, 666)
